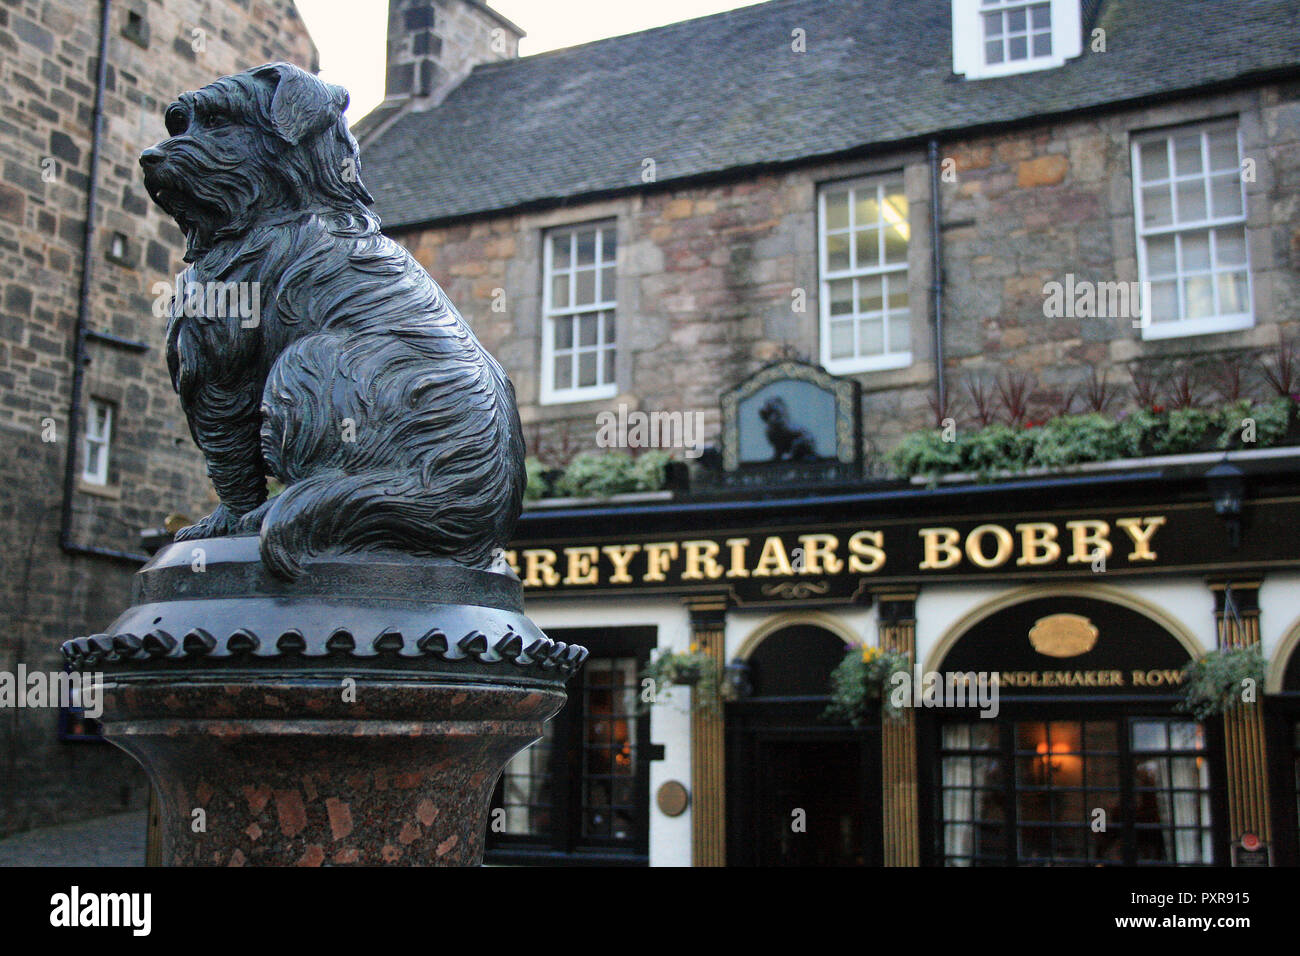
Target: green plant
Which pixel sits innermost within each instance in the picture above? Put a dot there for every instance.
(925, 453)
(601, 474)
(1243, 425)
(1073, 439)
(1188, 429)
(1216, 682)
(996, 448)
(649, 468)
(862, 678)
(1141, 432)
(536, 487)
(693, 668)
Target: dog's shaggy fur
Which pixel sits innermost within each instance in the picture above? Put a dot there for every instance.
(355, 340)
(789, 442)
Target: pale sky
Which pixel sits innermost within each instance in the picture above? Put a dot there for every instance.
(351, 36)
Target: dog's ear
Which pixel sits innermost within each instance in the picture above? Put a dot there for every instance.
(302, 104)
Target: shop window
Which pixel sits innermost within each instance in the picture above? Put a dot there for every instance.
(1190, 210)
(1129, 791)
(864, 294)
(583, 790)
(579, 298)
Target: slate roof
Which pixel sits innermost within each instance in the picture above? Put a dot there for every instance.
(726, 91)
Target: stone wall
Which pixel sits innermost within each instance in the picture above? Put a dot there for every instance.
(709, 276)
(48, 69)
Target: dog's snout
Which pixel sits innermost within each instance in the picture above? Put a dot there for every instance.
(152, 157)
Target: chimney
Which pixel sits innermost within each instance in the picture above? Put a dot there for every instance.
(434, 44)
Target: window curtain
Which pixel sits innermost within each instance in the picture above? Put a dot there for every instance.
(958, 797)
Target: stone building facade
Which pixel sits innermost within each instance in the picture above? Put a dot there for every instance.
(928, 199)
(54, 583)
(717, 279)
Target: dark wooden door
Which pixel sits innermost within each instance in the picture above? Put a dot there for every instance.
(801, 790)
(812, 810)
(801, 793)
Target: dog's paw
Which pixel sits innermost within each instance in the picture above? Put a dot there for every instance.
(251, 522)
(221, 523)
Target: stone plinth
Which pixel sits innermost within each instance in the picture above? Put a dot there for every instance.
(360, 714)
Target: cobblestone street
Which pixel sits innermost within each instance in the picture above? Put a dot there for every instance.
(116, 840)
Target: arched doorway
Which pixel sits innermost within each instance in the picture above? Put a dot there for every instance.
(1086, 759)
(1283, 724)
(801, 791)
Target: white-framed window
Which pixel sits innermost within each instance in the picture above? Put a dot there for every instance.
(97, 442)
(864, 234)
(1189, 206)
(578, 300)
(993, 38)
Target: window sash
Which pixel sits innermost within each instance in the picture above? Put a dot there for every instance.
(1029, 31)
(603, 270)
(889, 274)
(1209, 227)
(97, 442)
(1062, 40)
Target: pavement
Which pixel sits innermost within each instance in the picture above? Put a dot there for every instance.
(116, 840)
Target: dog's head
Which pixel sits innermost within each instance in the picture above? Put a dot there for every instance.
(251, 148)
(773, 411)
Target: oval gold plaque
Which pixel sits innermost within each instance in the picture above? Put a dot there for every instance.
(1063, 635)
(672, 799)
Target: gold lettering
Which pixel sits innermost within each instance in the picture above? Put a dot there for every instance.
(620, 555)
(539, 566)
(1141, 530)
(975, 550)
(874, 552)
(819, 554)
(582, 566)
(1139, 679)
(737, 547)
(1037, 543)
(657, 559)
(940, 541)
(700, 563)
(773, 557)
(1089, 537)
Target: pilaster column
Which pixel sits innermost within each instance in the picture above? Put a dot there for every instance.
(896, 612)
(708, 771)
(1236, 614)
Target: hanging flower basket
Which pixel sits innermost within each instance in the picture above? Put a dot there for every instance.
(694, 669)
(862, 681)
(1217, 682)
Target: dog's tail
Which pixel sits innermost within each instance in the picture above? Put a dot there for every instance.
(382, 510)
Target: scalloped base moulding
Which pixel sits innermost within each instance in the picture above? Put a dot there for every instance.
(358, 715)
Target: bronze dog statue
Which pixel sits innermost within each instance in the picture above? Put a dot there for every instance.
(358, 386)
